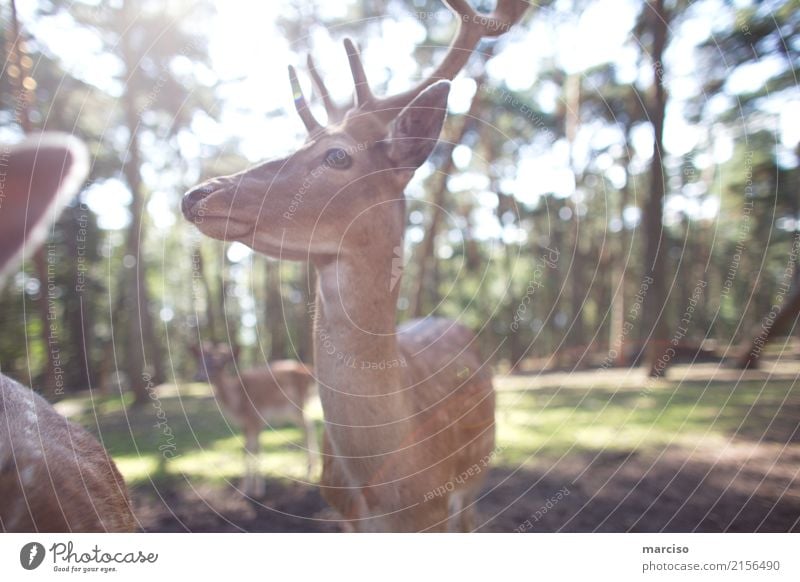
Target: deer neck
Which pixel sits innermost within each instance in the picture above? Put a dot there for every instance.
(222, 385)
(355, 344)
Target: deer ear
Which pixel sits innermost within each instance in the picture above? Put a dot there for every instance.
(415, 131)
(38, 177)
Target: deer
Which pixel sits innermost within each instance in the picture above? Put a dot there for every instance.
(257, 397)
(409, 429)
(54, 475)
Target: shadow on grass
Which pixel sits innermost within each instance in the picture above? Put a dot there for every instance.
(669, 492)
(180, 505)
(608, 492)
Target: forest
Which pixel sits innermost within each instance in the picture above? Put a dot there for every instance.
(613, 207)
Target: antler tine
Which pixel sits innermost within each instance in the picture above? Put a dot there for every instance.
(312, 125)
(335, 112)
(505, 15)
(471, 28)
(363, 92)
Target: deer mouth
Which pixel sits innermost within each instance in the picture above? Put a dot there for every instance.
(222, 227)
(211, 221)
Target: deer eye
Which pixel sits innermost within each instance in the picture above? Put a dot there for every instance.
(338, 158)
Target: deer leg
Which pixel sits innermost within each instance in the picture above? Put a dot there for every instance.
(466, 519)
(336, 489)
(462, 512)
(253, 483)
(429, 516)
(248, 466)
(310, 437)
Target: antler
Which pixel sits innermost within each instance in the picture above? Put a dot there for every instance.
(312, 125)
(335, 112)
(472, 27)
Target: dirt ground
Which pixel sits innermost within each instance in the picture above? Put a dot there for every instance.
(742, 487)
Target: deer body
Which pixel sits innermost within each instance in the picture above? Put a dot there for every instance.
(399, 438)
(409, 413)
(258, 397)
(54, 475)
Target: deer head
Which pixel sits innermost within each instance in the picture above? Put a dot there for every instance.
(342, 191)
(212, 358)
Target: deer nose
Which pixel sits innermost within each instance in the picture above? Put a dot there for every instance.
(190, 205)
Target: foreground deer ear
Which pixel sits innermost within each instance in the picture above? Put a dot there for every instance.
(37, 178)
(414, 132)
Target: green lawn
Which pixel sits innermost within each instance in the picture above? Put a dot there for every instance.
(621, 411)
(539, 417)
(203, 443)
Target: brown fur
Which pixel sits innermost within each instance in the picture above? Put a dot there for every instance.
(452, 431)
(54, 475)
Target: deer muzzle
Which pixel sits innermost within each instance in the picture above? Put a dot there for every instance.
(194, 201)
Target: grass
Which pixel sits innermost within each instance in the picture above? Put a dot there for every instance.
(539, 417)
(588, 412)
(187, 425)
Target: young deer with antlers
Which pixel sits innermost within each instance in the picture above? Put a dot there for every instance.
(54, 475)
(256, 397)
(409, 412)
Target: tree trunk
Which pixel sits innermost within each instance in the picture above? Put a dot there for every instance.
(425, 253)
(576, 338)
(143, 356)
(655, 239)
(49, 384)
(275, 323)
(771, 326)
(515, 353)
(198, 262)
(230, 314)
(617, 337)
(134, 288)
(575, 335)
(78, 306)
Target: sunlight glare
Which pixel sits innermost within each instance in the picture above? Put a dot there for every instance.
(109, 199)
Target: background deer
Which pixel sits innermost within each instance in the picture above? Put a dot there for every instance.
(257, 397)
(409, 413)
(54, 475)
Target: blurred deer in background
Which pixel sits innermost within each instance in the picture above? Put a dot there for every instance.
(409, 413)
(257, 397)
(54, 475)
